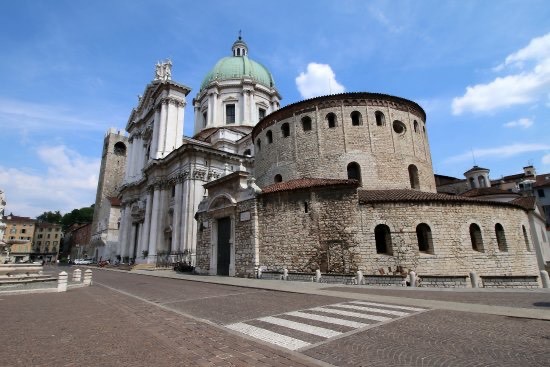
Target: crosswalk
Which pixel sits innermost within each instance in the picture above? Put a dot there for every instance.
(299, 329)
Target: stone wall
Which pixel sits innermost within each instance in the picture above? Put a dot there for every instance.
(308, 230)
(383, 154)
(452, 246)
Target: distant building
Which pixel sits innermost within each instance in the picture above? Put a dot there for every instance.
(47, 241)
(19, 237)
(77, 238)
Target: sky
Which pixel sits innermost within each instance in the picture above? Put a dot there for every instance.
(70, 70)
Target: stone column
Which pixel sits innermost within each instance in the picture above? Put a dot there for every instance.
(132, 241)
(128, 171)
(176, 219)
(154, 222)
(215, 108)
(144, 245)
(122, 231)
(154, 140)
(162, 130)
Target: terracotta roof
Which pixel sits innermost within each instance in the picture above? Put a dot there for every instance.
(394, 196)
(527, 202)
(542, 180)
(485, 191)
(16, 218)
(305, 183)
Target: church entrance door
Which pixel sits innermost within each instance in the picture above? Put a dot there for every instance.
(224, 253)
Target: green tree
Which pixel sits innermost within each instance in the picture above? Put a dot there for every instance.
(50, 217)
(82, 215)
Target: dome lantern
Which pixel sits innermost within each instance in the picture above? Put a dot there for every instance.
(239, 47)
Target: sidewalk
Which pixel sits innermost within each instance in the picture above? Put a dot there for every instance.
(405, 296)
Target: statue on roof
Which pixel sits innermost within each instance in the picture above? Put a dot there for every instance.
(2, 204)
(163, 70)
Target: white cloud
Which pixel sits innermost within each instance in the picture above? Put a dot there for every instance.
(528, 84)
(69, 182)
(522, 122)
(318, 80)
(546, 159)
(505, 151)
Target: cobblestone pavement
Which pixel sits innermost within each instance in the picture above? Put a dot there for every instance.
(129, 319)
(444, 338)
(95, 326)
(536, 298)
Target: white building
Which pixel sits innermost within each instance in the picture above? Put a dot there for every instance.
(165, 171)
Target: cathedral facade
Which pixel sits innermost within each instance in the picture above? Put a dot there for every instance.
(338, 183)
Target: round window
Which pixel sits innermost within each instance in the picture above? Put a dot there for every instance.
(399, 127)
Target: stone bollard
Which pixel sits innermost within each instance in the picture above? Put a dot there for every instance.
(285, 274)
(318, 275)
(77, 275)
(62, 282)
(412, 278)
(260, 272)
(88, 277)
(359, 277)
(474, 279)
(545, 279)
(256, 271)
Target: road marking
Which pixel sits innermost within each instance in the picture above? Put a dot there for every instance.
(372, 309)
(351, 314)
(389, 306)
(269, 336)
(327, 319)
(315, 330)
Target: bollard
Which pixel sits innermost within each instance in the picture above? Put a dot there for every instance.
(285, 274)
(412, 278)
(256, 271)
(260, 272)
(77, 275)
(359, 277)
(545, 279)
(88, 277)
(317, 275)
(62, 282)
(474, 279)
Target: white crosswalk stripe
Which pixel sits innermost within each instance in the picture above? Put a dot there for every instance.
(269, 336)
(351, 314)
(287, 334)
(315, 330)
(377, 310)
(330, 320)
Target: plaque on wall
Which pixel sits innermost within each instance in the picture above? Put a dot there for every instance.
(245, 216)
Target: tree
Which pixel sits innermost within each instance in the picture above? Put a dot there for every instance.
(50, 217)
(82, 215)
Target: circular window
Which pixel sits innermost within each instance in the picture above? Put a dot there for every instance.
(399, 127)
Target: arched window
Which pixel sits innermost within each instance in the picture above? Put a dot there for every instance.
(331, 120)
(269, 136)
(120, 149)
(413, 177)
(424, 237)
(526, 238)
(356, 118)
(475, 237)
(259, 144)
(285, 129)
(481, 181)
(306, 123)
(380, 119)
(416, 129)
(247, 152)
(354, 171)
(501, 237)
(382, 237)
(229, 113)
(278, 178)
(472, 183)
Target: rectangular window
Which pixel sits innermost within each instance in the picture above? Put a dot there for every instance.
(229, 113)
(48, 235)
(56, 235)
(47, 243)
(54, 242)
(541, 193)
(205, 118)
(261, 113)
(23, 230)
(39, 236)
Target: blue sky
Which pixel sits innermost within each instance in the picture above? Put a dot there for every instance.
(69, 70)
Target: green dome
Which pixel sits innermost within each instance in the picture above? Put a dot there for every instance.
(237, 67)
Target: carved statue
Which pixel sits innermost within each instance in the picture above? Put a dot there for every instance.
(163, 71)
(2, 204)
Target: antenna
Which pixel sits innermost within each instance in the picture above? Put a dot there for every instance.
(473, 157)
(240, 34)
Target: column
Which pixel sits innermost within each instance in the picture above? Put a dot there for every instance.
(154, 222)
(252, 109)
(162, 130)
(198, 117)
(122, 231)
(176, 224)
(182, 229)
(210, 110)
(215, 108)
(128, 172)
(132, 241)
(144, 245)
(154, 141)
